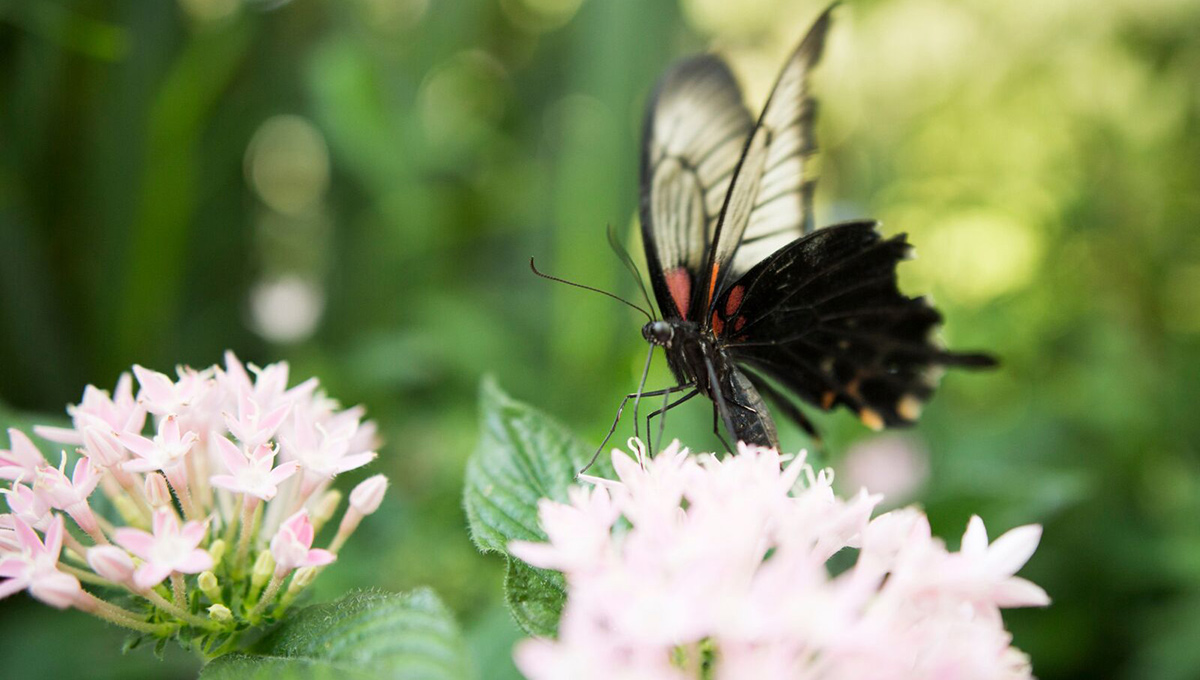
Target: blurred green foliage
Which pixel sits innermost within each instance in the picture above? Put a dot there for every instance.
(356, 186)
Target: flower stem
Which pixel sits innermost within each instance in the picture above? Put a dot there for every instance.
(136, 491)
(113, 614)
(272, 590)
(248, 506)
(349, 523)
(178, 612)
(178, 589)
(177, 478)
(74, 545)
(87, 576)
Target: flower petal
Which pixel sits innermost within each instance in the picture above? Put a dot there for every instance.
(1012, 550)
(136, 541)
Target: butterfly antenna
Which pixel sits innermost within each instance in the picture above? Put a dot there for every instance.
(594, 290)
(627, 260)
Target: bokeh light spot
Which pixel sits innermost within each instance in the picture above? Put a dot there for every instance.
(287, 164)
(287, 309)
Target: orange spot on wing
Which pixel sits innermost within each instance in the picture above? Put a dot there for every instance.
(712, 281)
(871, 419)
(679, 283)
(718, 324)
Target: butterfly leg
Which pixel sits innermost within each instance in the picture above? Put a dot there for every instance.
(720, 408)
(621, 409)
(717, 428)
(662, 424)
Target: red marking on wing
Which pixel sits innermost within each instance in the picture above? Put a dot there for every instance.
(718, 324)
(679, 283)
(734, 301)
(737, 325)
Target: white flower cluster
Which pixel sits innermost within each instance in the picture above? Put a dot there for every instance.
(223, 494)
(695, 567)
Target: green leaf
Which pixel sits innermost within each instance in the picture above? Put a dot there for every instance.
(364, 635)
(535, 597)
(523, 456)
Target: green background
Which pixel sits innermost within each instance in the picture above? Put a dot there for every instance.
(356, 186)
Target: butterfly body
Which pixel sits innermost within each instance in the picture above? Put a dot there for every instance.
(752, 295)
(696, 358)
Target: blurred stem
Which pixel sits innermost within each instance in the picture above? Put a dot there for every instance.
(122, 617)
(178, 589)
(178, 611)
(272, 590)
(249, 504)
(87, 576)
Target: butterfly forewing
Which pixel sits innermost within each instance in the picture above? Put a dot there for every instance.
(770, 201)
(696, 127)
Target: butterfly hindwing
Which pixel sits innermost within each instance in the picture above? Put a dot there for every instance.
(823, 316)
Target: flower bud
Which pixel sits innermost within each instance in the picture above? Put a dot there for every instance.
(264, 566)
(303, 578)
(157, 491)
(110, 562)
(217, 551)
(326, 507)
(367, 496)
(209, 585)
(220, 613)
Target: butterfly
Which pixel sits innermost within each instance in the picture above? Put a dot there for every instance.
(748, 288)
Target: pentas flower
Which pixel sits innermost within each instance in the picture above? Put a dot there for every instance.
(163, 452)
(33, 566)
(208, 511)
(253, 426)
(256, 475)
(120, 413)
(696, 567)
(31, 508)
(170, 549)
(70, 495)
(23, 460)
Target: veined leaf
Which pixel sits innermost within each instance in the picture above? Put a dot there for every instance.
(523, 456)
(364, 635)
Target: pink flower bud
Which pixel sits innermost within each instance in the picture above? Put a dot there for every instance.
(111, 563)
(157, 491)
(367, 496)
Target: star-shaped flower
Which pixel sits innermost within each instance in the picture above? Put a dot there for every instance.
(256, 475)
(163, 452)
(22, 460)
(987, 571)
(169, 549)
(253, 426)
(120, 412)
(34, 567)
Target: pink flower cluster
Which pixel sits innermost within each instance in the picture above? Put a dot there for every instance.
(719, 569)
(192, 467)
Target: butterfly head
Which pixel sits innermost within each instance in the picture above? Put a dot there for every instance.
(658, 333)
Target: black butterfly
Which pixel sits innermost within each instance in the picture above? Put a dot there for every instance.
(746, 285)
